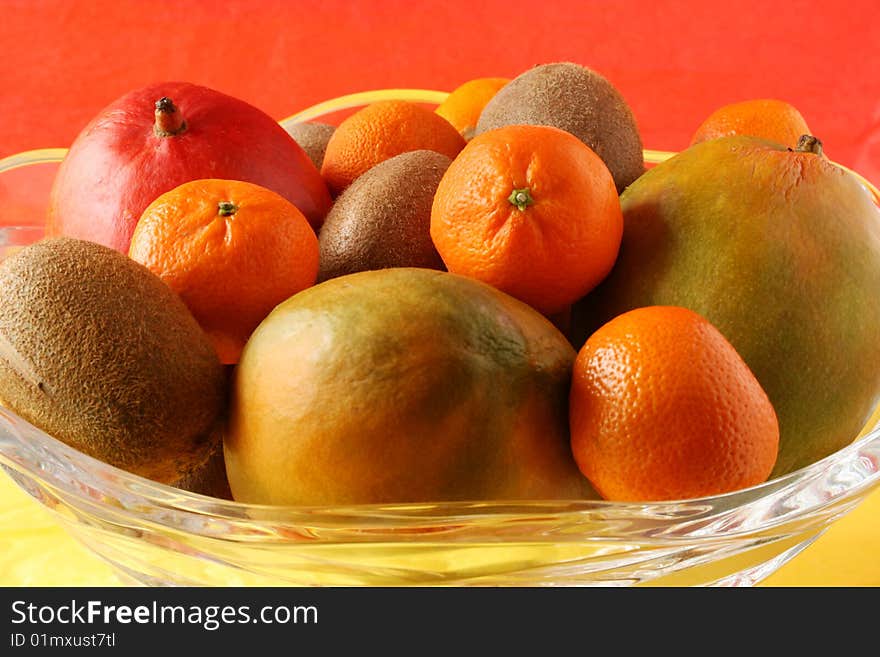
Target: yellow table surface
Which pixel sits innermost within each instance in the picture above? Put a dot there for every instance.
(36, 551)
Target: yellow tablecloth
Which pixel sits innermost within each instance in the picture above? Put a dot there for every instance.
(36, 551)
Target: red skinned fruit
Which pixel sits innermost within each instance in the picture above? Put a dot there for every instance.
(156, 138)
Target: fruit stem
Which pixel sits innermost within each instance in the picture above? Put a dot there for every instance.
(521, 198)
(227, 208)
(809, 144)
(169, 120)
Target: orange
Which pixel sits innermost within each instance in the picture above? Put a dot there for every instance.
(232, 250)
(463, 105)
(775, 120)
(530, 210)
(380, 131)
(662, 407)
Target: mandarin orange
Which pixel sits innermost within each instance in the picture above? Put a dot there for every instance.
(530, 210)
(464, 104)
(232, 250)
(767, 118)
(663, 407)
(379, 132)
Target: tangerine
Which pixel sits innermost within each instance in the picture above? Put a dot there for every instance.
(380, 131)
(464, 104)
(232, 250)
(766, 118)
(530, 210)
(663, 407)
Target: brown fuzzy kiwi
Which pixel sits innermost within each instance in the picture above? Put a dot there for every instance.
(383, 219)
(313, 138)
(101, 354)
(208, 477)
(576, 99)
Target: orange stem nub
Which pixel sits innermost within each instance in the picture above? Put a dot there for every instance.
(521, 198)
(227, 208)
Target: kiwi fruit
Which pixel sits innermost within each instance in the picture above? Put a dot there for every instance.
(208, 477)
(576, 99)
(383, 219)
(100, 353)
(312, 137)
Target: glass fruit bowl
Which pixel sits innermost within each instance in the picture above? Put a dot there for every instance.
(159, 535)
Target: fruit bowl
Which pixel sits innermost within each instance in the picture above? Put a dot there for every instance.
(159, 535)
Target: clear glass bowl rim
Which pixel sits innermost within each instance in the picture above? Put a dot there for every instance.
(24, 449)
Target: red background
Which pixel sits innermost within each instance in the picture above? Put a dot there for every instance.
(675, 62)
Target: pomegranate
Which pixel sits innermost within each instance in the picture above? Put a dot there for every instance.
(155, 138)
